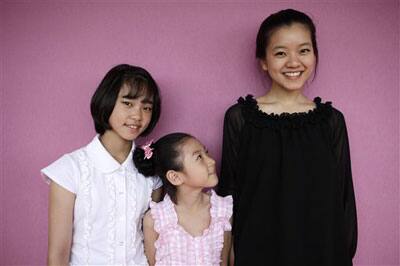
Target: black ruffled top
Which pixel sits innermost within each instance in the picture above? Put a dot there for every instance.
(290, 177)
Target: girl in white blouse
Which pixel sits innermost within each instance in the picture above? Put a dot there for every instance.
(97, 197)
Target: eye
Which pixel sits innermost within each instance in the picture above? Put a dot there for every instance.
(305, 51)
(129, 104)
(280, 54)
(199, 157)
(148, 108)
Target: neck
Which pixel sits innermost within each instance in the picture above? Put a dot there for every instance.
(116, 146)
(189, 198)
(278, 94)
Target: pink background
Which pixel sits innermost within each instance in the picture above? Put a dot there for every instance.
(53, 56)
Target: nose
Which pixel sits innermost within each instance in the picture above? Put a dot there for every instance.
(210, 161)
(136, 113)
(293, 60)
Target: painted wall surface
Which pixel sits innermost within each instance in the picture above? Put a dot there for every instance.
(53, 55)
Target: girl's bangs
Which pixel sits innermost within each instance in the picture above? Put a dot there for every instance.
(139, 87)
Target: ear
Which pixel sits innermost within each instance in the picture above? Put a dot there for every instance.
(263, 64)
(174, 177)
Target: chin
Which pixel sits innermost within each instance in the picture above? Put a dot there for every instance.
(214, 183)
(292, 87)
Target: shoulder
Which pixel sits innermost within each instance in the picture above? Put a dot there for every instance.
(337, 117)
(235, 114)
(234, 111)
(241, 104)
(68, 161)
(162, 214)
(221, 210)
(148, 220)
(65, 171)
(221, 206)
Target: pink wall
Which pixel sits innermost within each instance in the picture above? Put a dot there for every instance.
(53, 55)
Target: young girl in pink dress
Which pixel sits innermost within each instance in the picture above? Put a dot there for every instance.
(190, 226)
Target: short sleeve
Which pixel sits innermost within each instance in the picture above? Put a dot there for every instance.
(64, 172)
(228, 206)
(233, 123)
(157, 183)
(222, 209)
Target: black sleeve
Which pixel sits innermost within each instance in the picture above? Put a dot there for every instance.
(342, 152)
(233, 123)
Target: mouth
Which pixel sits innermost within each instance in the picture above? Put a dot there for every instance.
(133, 126)
(293, 74)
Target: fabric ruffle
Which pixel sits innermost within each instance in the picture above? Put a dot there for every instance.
(221, 210)
(161, 214)
(260, 119)
(132, 207)
(86, 188)
(111, 223)
(204, 249)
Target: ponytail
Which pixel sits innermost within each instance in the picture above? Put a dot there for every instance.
(144, 164)
(156, 159)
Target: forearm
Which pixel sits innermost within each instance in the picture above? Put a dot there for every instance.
(61, 205)
(58, 258)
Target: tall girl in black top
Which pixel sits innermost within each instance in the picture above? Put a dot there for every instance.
(286, 160)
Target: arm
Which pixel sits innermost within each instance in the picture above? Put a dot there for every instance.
(150, 237)
(342, 152)
(156, 195)
(232, 256)
(61, 207)
(227, 249)
(233, 123)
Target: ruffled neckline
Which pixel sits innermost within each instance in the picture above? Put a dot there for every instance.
(176, 223)
(253, 114)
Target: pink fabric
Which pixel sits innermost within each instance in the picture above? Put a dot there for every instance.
(175, 246)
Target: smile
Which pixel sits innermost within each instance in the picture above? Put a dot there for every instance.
(293, 74)
(133, 126)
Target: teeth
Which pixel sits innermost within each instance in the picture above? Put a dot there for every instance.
(292, 74)
(133, 126)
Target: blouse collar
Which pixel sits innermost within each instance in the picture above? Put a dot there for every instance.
(103, 160)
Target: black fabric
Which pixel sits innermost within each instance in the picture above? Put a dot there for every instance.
(290, 177)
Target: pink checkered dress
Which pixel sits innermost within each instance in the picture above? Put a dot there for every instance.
(175, 246)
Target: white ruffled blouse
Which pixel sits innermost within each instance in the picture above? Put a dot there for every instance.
(111, 199)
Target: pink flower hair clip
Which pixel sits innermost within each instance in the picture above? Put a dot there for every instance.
(148, 151)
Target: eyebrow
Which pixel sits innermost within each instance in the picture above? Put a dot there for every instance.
(199, 151)
(146, 100)
(196, 152)
(284, 47)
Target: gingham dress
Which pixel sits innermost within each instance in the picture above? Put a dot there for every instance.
(175, 246)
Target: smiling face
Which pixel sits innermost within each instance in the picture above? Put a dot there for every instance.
(198, 167)
(130, 116)
(290, 59)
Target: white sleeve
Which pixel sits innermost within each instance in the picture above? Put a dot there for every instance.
(65, 172)
(157, 183)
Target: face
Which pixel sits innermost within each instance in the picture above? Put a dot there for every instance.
(290, 59)
(198, 167)
(130, 116)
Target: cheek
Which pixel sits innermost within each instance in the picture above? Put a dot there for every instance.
(147, 117)
(274, 66)
(311, 61)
